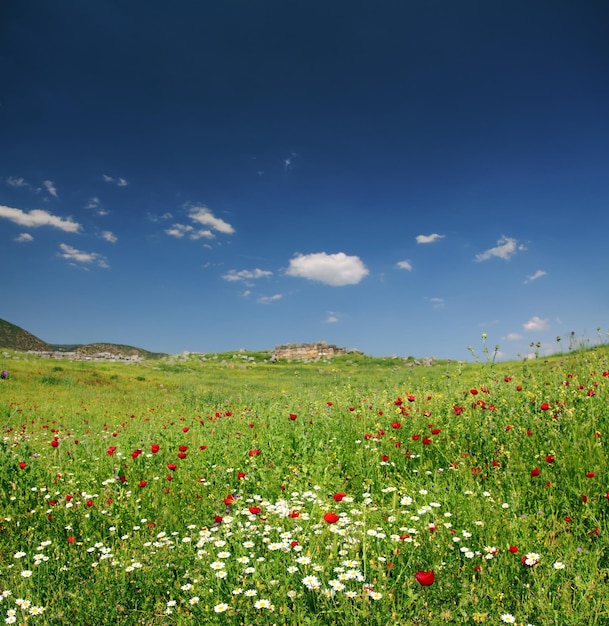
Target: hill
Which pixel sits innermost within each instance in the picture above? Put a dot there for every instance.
(13, 337)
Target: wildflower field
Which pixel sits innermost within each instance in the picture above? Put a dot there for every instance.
(357, 491)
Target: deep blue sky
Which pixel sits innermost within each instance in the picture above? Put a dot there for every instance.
(398, 177)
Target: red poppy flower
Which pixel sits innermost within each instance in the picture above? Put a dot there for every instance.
(89, 503)
(544, 406)
(229, 500)
(54, 443)
(590, 475)
(185, 429)
(549, 459)
(339, 495)
(241, 475)
(425, 578)
(255, 452)
(331, 518)
(142, 484)
(154, 448)
(513, 549)
(22, 465)
(181, 455)
(535, 472)
(218, 519)
(293, 416)
(474, 392)
(293, 514)
(171, 466)
(254, 510)
(384, 458)
(410, 398)
(183, 448)
(71, 539)
(396, 425)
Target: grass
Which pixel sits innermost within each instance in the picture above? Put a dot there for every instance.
(229, 490)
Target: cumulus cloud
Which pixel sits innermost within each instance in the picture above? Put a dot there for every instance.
(404, 265)
(331, 269)
(24, 237)
(245, 275)
(38, 217)
(506, 248)
(535, 276)
(50, 187)
(82, 258)
(269, 299)
(429, 238)
(109, 236)
(536, 323)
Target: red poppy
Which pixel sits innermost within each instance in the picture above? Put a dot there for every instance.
(331, 518)
(171, 466)
(183, 448)
(396, 425)
(534, 472)
(142, 484)
(254, 510)
(474, 392)
(293, 416)
(89, 503)
(339, 495)
(410, 398)
(154, 448)
(185, 429)
(255, 452)
(384, 458)
(71, 539)
(229, 500)
(218, 519)
(513, 549)
(425, 578)
(22, 465)
(241, 475)
(54, 443)
(590, 475)
(181, 455)
(549, 459)
(293, 514)
(544, 406)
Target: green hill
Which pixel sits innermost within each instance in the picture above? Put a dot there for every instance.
(15, 338)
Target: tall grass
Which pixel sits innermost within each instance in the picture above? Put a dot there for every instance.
(229, 492)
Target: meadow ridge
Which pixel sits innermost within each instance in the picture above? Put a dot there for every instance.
(354, 491)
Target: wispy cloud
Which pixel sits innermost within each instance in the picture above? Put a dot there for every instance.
(437, 303)
(13, 181)
(246, 275)
(336, 270)
(269, 299)
(513, 337)
(119, 182)
(94, 203)
(429, 238)
(203, 215)
(38, 217)
(333, 318)
(24, 237)
(536, 323)
(200, 216)
(81, 258)
(109, 236)
(404, 265)
(49, 185)
(535, 276)
(505, 249)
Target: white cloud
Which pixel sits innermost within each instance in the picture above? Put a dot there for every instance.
(202, 215)
(437, 303)
(535, 276)
(50, 187)
(234, 275)
(404, 265)
(109, 236)
(17, 182)
(331, 269)
(93, 203)
(180, 230)
(506, 248)
(120, 182)
(23, 237)
(332, 318)
(84, 258)
(429, 238)
(38, 217)
(513, 337)
(536, 323)
(269, 299)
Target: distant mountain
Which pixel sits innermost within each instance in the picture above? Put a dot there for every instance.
(13, 337)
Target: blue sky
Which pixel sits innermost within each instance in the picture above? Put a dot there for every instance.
(394, 176)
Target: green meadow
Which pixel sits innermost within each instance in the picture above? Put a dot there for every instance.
(229, 490)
